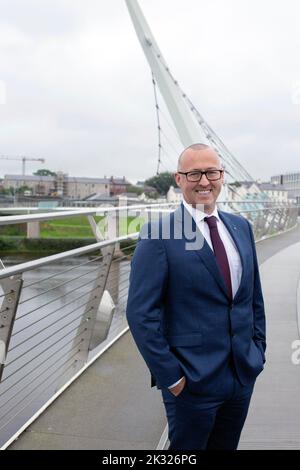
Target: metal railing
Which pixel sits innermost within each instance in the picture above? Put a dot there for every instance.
(55, 313)
(267, 218)
(58, 312)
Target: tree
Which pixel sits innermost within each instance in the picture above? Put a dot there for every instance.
(22, 189)
(44, 172)
(134, 189)
(162, 182)
(11, 190)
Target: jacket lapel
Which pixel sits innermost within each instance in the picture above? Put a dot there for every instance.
(205, 253)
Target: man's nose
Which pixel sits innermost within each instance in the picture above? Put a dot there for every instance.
(204, 180)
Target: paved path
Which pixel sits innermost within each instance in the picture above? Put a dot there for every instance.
(110, 406)
(274, 416)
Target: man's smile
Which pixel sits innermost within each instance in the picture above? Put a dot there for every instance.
(203, 191)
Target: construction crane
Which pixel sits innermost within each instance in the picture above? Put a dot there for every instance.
(24, 159)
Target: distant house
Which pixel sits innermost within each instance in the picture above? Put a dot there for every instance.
(241, 190)
(254, 190)
(118, 185)
(174, 195)
(274, 191)
(74, 187)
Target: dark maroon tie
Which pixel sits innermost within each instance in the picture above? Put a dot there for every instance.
(219, 250)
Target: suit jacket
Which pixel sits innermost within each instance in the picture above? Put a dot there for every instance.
(179, 311)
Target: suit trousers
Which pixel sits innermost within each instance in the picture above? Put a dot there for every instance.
(210, 421)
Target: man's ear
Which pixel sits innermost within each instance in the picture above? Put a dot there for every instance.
(177, 179)
(223, 177)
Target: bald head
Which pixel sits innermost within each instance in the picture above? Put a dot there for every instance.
(195, 151)
(200, 176)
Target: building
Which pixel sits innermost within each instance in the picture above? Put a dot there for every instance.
(290, 182)
(64, 186)
(39, 185)
(174, 195)
(118, 185)
(81, 187)
(241, 190)
(275, 192)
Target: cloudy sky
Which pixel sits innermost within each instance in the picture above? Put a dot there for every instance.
(75, 87)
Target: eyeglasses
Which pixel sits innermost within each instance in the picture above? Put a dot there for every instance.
(195, 176)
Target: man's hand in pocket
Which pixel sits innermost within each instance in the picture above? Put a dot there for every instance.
(179, 387)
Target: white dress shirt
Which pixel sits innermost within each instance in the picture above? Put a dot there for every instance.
(233, 256)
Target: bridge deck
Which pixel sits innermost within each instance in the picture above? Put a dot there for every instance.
(274, 415)
(111, 406)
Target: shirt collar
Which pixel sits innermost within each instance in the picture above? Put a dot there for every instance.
(197, 214)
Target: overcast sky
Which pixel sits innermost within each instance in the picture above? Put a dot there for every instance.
(75, 86)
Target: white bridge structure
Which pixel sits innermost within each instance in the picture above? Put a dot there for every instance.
(60, 313)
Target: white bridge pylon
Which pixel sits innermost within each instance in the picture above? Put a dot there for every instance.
(186, 124)
(189, 124)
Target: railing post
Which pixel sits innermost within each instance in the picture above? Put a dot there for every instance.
(92, 306)
(268, 228)
(286, 217)
(256, 225)
(11, 294)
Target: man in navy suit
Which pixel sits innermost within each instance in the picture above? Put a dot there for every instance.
(196, 311)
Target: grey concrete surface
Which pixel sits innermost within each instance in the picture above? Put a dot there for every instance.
(110, 406)
(269, 247)
(274, 417)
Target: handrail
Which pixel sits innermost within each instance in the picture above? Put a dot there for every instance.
(22, 267)
(18, 219)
